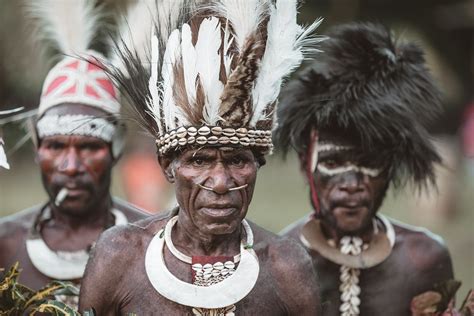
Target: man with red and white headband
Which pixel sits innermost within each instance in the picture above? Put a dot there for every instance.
(356, 119)
(79, 140)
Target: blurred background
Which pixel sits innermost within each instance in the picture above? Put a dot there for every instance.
(444, 28)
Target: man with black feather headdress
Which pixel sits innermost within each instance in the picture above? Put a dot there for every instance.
(357, 119)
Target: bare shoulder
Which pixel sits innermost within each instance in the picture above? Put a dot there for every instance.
(131, 211)
(18, 224)
(283, 252)
(419, 239)
(115, 240)
(13, 232)
(294, 229)
(427, 250)
(118, 248)
(292, 272)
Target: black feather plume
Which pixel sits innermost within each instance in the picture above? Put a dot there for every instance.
(368, 85)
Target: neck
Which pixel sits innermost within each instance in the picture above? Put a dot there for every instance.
(366, 233)
(97, 215)
(191, 241)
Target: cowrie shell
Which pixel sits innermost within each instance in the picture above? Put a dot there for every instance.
(182, 141)
(212, 140)
(224, 140)
(201, 140)
(204, 131)
(229, 265)
(234, 140)
(241, 132)
(192, 131)
(228, 132)
(181, 132)
(216, 130)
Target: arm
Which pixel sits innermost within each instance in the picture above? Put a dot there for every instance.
(100, 285)
(437, 286)
(295, 278)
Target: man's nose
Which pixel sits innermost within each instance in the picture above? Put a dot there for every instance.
(70, 163)
(351, 182)
(220, 179)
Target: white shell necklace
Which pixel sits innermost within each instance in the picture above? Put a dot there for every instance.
(349, 276)
(181, 256)
(217, 286)
(62, 265)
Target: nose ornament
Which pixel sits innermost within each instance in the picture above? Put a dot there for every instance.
(231, 189)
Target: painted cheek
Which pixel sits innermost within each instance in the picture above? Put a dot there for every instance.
(97, 163)
(48, 162)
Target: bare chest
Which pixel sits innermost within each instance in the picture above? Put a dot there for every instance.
(141, 298)
(386, 289)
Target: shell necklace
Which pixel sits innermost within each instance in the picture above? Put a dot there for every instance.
(216, 288)
(61, 265)
(352, 256)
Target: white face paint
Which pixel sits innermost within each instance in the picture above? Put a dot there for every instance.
(350, 167)
(332, 171)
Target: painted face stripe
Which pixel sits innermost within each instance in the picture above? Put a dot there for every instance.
(340, 170)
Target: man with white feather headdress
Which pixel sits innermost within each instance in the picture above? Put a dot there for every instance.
(79, 140)
(208, 97)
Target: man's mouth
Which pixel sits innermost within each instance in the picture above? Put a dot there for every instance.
(351, 208)
(219, 210)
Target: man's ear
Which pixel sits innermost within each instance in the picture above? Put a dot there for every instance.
(166, 165)
(302, 163)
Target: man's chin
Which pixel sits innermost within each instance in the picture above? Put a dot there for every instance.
(74, 208)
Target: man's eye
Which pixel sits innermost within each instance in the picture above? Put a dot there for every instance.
(198, 161)
(91, 147)
(55, 146)
(330, 163)
(237, 161)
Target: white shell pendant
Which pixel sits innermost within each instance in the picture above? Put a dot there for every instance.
(349, 278)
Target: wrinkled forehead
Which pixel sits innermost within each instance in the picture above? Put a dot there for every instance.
(214, 151)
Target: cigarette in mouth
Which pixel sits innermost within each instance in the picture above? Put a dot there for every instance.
(61, 196)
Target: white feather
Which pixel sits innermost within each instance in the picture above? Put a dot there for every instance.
(209, 61)
(154, 104)
(169, 60)
(72, 24)
(134, 31)
(3, 156)
(168, 15)
(188, 53)
(283, 54)
(228, 40)
(243, 15)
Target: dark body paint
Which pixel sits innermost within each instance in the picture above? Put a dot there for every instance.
(14, 231)
(418, 261)
(285, 286)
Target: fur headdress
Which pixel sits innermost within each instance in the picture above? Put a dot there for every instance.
(368, 85)
(215, 71)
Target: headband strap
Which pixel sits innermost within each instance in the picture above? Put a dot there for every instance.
(82, 125)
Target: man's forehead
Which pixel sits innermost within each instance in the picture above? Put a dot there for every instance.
(76, 139)
(216, 150)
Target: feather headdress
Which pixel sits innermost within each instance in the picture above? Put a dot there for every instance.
(215, 71)
(79, 32)
(367, 86)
